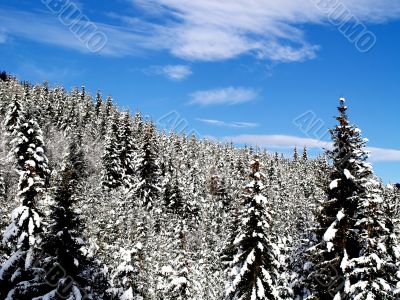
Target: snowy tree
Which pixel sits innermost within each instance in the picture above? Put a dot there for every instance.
(148, 171)
(128, 151)
(295, 154)
(112, 172)
(254, 268)
(177, 284)
(169, 226)
(350, 257)
(19, 278)
(64, 262)
(304, 156)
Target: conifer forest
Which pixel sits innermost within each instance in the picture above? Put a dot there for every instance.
(98, 203)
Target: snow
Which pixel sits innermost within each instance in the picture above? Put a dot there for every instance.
(179, 281)
(345, 262)
(260, 199)
(334, 184)
(340, 215)
(29, 259)
(127, 295)
(24, 216)
(260, 289)
(31, 226)
(139, 246)
(76, 292)
(167, 270)
(337, 296)
(253, 294)
(10, 262)
(330, 233)
(30, 164)
(348, 174)
(10, 232)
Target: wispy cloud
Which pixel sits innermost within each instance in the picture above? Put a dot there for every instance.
(289, 142)
(229, 95)
(382, 154)
(277, 141)
(204, 29)
(173, 72)
(228, 124)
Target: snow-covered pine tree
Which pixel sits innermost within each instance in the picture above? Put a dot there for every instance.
(350, 257)
(99, 103)
(112, 169)
(63, 261)
(304, 156)
(295, 154)
(177, 284)
(14, 115)
(3, 189)
(19, 277)
(105, 114)
(148, 188)
(128, 150)
(373, 273)
(254, 268)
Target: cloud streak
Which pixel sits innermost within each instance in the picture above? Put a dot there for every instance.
(289, 142)
(228, 124)
(277, 141)
(172, 72)
(229, 95)
(203, 30)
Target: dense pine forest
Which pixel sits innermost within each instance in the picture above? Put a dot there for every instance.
(98, 203)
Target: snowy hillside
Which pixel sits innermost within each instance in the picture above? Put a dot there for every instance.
(96, 203)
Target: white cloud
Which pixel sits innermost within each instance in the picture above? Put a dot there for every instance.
(215, 30)
(229, 95)
(289, 142)
(228, 124)
(173, 72)
(277, 141)
(206, 30)
(382, 154)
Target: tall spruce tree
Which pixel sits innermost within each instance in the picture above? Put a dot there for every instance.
(148, 188)
(20, 278)
(350, 257)
(128, 151)
(254, 268)
(63, 261)
(112, 169)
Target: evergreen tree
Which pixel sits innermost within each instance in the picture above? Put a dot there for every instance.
(4, 76)
(3, 188)
(14, 116)
(19, 277)
(105, 115)
(112, 172)
(350, 257)
(99, 103)
(128, 150)
(295, 154)
(149, 186)
(64, 262)
(304, 156)
(178, 283)
(254, 268)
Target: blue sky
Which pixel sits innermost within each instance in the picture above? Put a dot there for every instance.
(242, 70)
